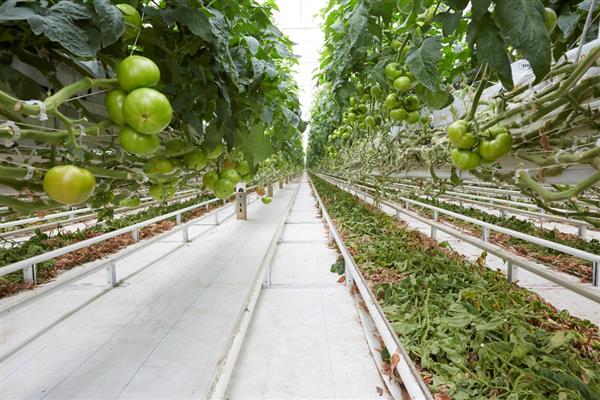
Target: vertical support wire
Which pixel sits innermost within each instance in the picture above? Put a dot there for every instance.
(586, 27)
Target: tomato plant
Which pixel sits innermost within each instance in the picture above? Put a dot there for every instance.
(137, 72)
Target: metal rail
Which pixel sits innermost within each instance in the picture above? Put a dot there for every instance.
(512, 259)
(28, 266)
(411, 378)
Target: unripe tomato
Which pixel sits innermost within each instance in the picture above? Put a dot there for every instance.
(375, 91)
(136, 72)
(137, 143)
(195, 159)
(465, 160)
(224, 188)
(363, 108)
(147, 111)
(213, 152)
(352, 101)
(229, 164)
(176, 145)
(391, 101)
(209, 179)
(550, 19)
(396, 44)
(412, 103)
(491, 150)
(398, 114)
(113, 102)
(158, 165)
(231, 175)
(161, 193)
(370, 121)
(413, 117)
(132, 19)
(68, 184)
(402, 84)
(459, 135)
(351, 117)
(243, 168)
(266, 200)
(391, 71)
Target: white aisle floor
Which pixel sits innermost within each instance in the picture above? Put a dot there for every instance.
(159, 334)
(305, 340)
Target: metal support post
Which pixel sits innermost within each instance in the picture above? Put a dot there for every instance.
(270, 190)
(135, 234)
(280, 183)
(30, 274)
(348, 275)
(186, 237)
(486, 234)
(433, 228)
(596, 274)
(241, 205)
(582, 231)
(111, 274)
(502, 214)
(178, 219)
(217, 217)
(512, 272)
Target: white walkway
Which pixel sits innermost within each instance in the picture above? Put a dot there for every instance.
(159, 334)
(305, 340)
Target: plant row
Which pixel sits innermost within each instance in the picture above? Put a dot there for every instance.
(471, 333)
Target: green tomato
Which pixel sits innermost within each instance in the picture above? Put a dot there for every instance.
(402, 84)
(176, 145)
(231, 175)
(247, 178)
(136, 72)
(391, 101)
(161, 193)
(459, 135)
(214, 152)
(137, 143)
(392, 71)
(550, 19)
(113, 102)
(412, 103)
(363, 108)
(352, 101)
(491, 150)
(465, 160)
(132, 19)
(375, 91)
(413, 117)
(210, 179)
(396, 44)
(351, 117)
(68, 184)
(398, 114)
(243, 168)
(158, 165)
(266, 200)
(370, 121)
(195, 159)
(147, 111)
(223, 188)
(130, 202)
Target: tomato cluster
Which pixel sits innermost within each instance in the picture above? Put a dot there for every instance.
(401, 105)
(470, 149)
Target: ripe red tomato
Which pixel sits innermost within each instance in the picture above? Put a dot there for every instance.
(68, 184)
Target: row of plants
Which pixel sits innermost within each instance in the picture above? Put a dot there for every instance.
(470, 332)
(101, 98)
(41, 242)
(558, 260)
(472, 86)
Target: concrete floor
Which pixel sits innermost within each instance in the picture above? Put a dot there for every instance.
(159, 334)
(305, 340)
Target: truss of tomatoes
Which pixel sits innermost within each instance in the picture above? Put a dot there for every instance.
(471, 149)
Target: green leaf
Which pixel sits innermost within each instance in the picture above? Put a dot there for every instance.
(522, 23)
(457, 4)
(255, 145)
(424, 62)
(484, 37)
(58, 25)
(253, 44)
(291, 116)
(567, 23)
(449, 21)
(110, 21)
(194, 19)
(10, 12)
(434, 99)
(480, 7)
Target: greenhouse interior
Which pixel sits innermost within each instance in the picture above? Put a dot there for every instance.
(300, 199)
